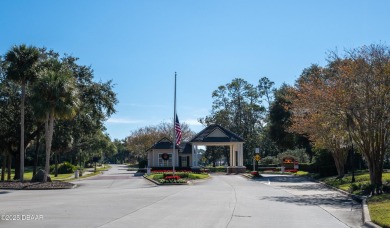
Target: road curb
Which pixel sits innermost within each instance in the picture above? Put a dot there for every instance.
(151, 180)
(366, 215)
(366, 218)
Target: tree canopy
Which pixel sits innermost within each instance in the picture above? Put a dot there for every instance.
(239, 107)
(351, 95)
(61, 94)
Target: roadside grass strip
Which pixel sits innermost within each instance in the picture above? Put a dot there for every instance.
(64, 177)
(361, 185)
(379, 207)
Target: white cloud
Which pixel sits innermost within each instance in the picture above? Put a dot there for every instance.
(122, 121)
(192, 122)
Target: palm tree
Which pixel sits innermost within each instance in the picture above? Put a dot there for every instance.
(21, 67)
(56, 97)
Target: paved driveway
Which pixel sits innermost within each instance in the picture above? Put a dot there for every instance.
(120, 199)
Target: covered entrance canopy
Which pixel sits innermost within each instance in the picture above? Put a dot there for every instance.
(216, 135)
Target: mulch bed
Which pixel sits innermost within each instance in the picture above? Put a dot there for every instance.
(36, 186)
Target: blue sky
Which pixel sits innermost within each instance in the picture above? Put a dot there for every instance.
(140, 44)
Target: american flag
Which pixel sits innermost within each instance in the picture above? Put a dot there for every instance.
(178, 131)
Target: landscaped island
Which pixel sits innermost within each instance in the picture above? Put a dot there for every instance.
(168, 177)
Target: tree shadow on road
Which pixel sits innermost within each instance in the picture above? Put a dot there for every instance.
(333, 200)
(283, 178)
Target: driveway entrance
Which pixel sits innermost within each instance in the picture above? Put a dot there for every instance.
(222, 201)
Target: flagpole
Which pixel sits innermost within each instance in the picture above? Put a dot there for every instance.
(174, 130)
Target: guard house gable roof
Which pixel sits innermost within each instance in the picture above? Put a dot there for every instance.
(165, 143)
(216, 133)
(186, 148)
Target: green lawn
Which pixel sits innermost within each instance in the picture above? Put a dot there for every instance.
(28, 176)
(61, 177)
(194, 176)
(362, 182)
(379, 207)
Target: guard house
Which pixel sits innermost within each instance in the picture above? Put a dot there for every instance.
(160, 154)
(216, 135)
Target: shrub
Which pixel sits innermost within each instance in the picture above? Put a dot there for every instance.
(172, 179)
(308, 167)
(364, 187)
(194, 176)
(64, 168)
(158, 176)
(217, 169)
(269, 160)
(327, 171)
(299, 154)
(142, 163)
(179, 181)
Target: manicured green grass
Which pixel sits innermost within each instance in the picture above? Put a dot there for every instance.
(194, 176)
(217, 169)
(379, 207)
(103, 168)
(28, 176)
(156, 176)
(62, 177)
(302, 173)
(99, 170)
(275, 172)
(362, 182)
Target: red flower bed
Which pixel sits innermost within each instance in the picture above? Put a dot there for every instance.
(291, 170)
(169, 171)
(172, 177)
(254, 173)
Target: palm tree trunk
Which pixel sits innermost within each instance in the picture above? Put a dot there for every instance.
(36, 154)
(22, 131)
(56, 164)
(47, 148)
(3, 166)
(9, 167)
(17, 165)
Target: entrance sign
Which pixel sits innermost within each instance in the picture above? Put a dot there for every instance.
(289, 162)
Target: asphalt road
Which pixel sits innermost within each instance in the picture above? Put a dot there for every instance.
(118, 198)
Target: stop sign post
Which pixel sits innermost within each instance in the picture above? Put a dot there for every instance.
(256, 158)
